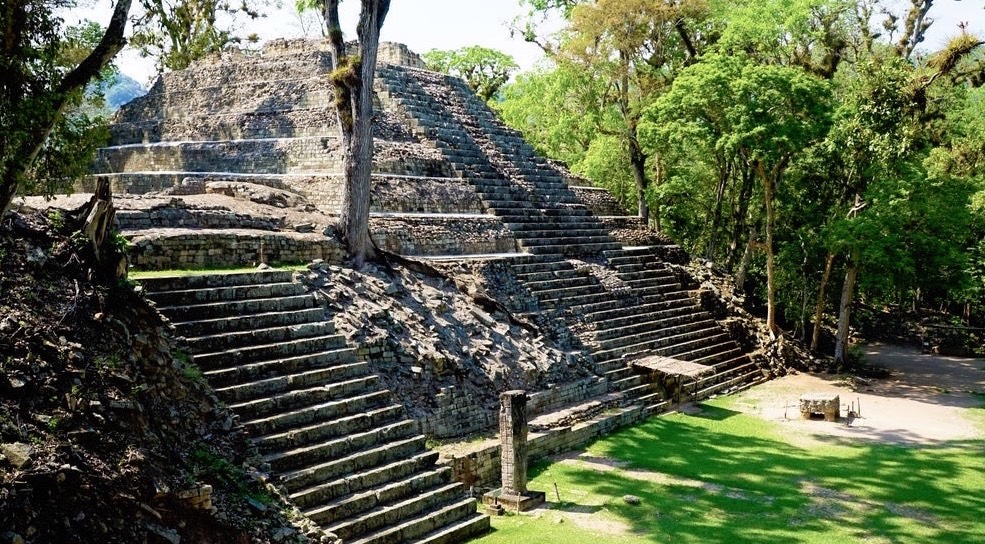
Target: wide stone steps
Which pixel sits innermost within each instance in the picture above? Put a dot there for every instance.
(436, 521)
(365, 499)
(319, 412)
(653, 334)
(216, 310)
(327, 430)
(270, 335)
(265, 320)
(322, 451)
(669, 346)
(569, 250)
(324, 494)
(331, 470)
(651, 322)
(390, 514)
(301, 346)
(573, 282)
(342, 363)
(650, 315)
(530, 278)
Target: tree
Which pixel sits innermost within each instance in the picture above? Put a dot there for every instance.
(737, 107)
(352, 77)
(485, 70)
(178, 32)
(636, 47)
(36, 89)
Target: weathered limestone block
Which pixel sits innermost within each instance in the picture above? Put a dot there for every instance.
(827, 404)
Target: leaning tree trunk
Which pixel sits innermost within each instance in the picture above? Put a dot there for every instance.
(353, 81)
(845, 308)
(34, 131)
(637, 159)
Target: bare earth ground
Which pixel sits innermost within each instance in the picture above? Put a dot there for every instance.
(924, 401)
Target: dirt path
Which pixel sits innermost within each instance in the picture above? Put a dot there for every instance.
(923, 402)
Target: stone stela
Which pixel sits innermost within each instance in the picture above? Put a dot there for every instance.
(513, 495)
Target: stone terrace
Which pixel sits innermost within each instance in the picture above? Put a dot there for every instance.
(451, 184)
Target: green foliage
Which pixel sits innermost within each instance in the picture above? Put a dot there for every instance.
(485, 70)
(179, 32)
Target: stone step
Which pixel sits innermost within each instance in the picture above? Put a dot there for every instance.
(532, 242)
(460, 531)
(251, 390)
(264, 320)
(591, 232)
(381, 476)
(389, 514)
(272, 335)
(545, 263)
(666, 295)
(574, 299)
(360, 501)
(573, 282)
(560, 296)
(329, 429)
(262, 352)
(645, 327)
(669, 346)
(529, 278)
(199, 281)
(311, 454)
(698, 349)
(580, 249)
(216, 310)
(320, 412)
(541, 223)
(294, 399)
(226, 293)
(629, 306)
(641, 315)
(355, 462)
(409, 531)
(342, 363)
(648, 275)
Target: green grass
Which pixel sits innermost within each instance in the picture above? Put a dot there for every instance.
(722, 476)
(150, 274)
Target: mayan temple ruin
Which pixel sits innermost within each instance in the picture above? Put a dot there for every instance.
(567, 275)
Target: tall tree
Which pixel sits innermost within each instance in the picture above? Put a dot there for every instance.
(636, 47)
(36, 88)
(485, 70)
(178, 32)
(352, 76)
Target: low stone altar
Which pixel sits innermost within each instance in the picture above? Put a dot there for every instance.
(826, 404)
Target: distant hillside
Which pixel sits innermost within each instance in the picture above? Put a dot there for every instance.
(121, 89)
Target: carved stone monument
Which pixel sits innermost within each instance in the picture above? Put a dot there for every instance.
(514, 495)
(826, 404)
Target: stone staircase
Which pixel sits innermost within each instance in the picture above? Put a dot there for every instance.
(344, 453)
(513, 182)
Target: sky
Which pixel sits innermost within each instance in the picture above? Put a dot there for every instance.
(450, 24)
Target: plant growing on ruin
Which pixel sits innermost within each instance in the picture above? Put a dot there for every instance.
(485, 70)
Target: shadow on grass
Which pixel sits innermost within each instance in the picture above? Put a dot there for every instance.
(724, 477)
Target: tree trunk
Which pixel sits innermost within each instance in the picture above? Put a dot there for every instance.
(740, 211)
(740, 275)
(769, 182)
(353, 81)
(845, 308)
(34, 132)
(716, 217)
(638, 161)
(819, 307)
(658, 174)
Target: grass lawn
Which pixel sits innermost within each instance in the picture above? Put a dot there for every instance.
(722, 476)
